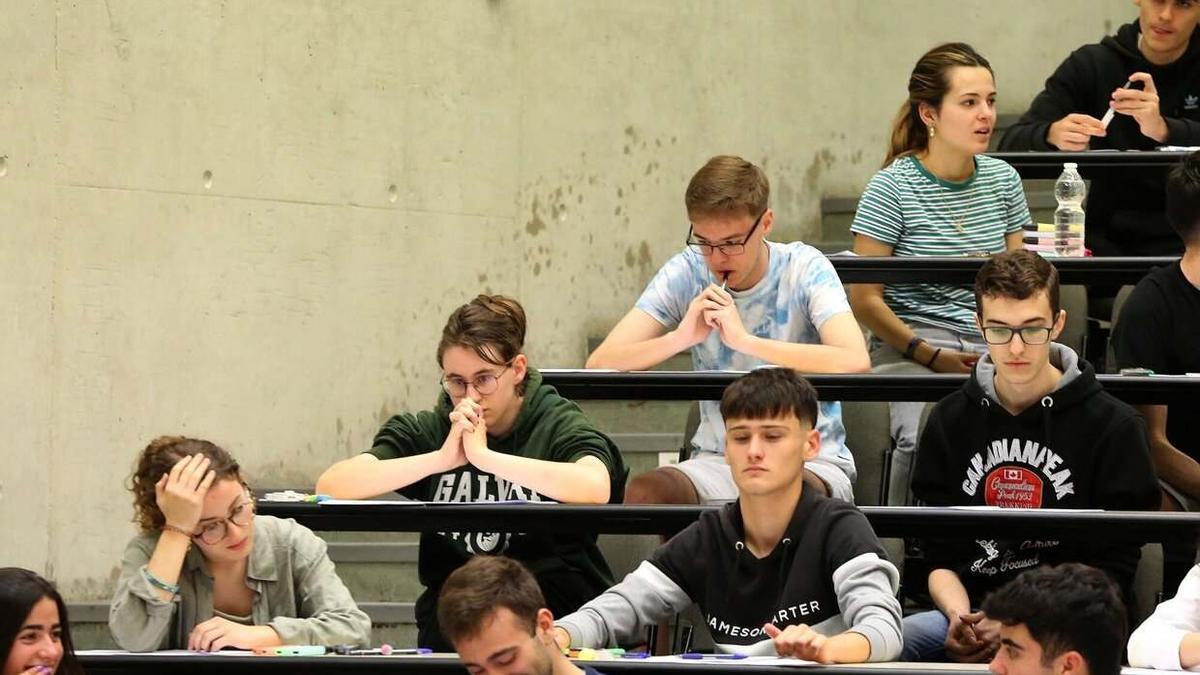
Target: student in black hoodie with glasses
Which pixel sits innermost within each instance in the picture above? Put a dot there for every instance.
(783, 570)
(1030, 429)
(1160, 56)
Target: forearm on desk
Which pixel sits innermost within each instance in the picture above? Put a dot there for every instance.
(367, 476)
(645, 597)
(848, 647)
(585, 481)
(808, 358)
(641, 355)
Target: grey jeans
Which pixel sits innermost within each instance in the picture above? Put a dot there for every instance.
(906, 415)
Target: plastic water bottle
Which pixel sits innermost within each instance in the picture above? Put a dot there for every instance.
(1069, 190)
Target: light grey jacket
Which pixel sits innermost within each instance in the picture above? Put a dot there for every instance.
(297, 592)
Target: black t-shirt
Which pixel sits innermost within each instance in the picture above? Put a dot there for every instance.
(1159, 329)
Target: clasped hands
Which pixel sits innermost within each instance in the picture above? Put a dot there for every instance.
(713, 310)
(467, 441)
(972, 638)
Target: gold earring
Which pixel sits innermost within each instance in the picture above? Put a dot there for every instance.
(932, 131)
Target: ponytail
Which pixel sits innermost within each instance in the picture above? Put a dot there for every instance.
(928, 84)
(909, 134)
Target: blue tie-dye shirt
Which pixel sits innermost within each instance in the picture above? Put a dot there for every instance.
(800, 292)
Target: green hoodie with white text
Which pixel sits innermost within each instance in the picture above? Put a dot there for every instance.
(569, 567)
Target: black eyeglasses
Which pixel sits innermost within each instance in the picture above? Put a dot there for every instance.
(242, 515)
(1030, 335)
(705, 249)
(484, 383)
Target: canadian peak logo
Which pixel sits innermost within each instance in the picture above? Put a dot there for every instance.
(1013, 487)
(988, 467)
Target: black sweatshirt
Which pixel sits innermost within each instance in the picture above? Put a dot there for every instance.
(829, 571)
(1077, 448)
(1124, 207)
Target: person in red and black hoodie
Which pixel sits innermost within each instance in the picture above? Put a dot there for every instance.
(1031, 428)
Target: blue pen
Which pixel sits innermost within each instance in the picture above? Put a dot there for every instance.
(635, 655)
(693, 656)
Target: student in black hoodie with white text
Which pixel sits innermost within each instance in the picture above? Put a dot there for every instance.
(1031, 428)
(783, 570)
(1159, 54)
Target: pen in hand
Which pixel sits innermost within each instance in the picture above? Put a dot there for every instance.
(1108, 116)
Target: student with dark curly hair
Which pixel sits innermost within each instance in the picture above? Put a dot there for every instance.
(1058, 620)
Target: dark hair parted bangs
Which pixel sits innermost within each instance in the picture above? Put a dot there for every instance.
(770, 392)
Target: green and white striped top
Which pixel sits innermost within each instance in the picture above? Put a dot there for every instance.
(918, 213)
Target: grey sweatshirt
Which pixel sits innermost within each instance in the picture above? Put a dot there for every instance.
(829, 571)
(297, 592)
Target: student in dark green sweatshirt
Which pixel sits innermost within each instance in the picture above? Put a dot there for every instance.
(496, 433)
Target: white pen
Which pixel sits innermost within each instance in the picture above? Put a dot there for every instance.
(1108, 116)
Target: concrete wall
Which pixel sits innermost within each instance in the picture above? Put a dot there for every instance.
(247, 221)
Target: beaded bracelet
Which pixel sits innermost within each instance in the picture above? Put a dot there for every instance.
(154, 581)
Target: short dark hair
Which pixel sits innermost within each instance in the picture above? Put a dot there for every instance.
(1183, 198)
(1068, 607)
(20, 590)
(1018, 274)
(770, 392)
(484, 584)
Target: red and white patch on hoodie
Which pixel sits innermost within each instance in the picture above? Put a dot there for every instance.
(1013, 487)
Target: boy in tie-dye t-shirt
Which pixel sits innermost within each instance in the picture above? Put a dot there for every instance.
(739, 301)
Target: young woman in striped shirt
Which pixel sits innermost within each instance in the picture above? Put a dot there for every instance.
(936, 195)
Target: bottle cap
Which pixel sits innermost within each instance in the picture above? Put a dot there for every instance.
(1070, 165)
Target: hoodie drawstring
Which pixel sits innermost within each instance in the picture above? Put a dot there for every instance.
(1047, 426)
(981, 429)
(785, 565)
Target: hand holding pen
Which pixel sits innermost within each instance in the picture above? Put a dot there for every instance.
(722, 315)
(1142, 105)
